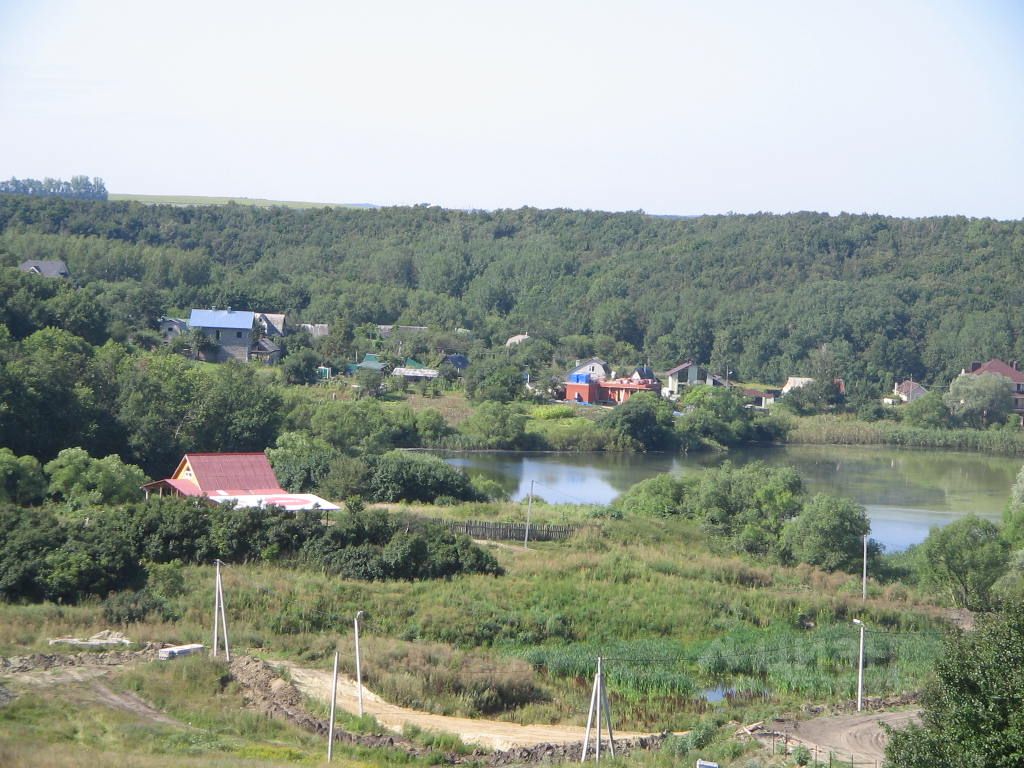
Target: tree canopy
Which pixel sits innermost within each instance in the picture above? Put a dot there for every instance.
(973, 714)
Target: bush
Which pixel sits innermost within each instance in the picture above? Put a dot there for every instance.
(659, 496)
(829, 532)
(165, 580)
(487, 489)
(398, 476)
(747, 505)
(494, 425)
(364, 562)
(642, 423)
(131, 607)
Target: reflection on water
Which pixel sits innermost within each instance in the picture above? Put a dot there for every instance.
(905, 492)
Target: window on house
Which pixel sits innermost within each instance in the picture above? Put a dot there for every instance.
(238, 334)
(218, 335)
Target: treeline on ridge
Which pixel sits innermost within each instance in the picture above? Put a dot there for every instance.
(755, 294)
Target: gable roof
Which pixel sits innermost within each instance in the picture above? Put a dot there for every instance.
(245, 479)
(643, 372)
(273, 324)
(245, 473)
(45, 267)
(910, 388)
(999, 368)
(372, 361)
(222, 318)
(519, 338)
(681, 367)
(265, 346)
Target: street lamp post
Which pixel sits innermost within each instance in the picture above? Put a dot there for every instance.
(359, 669)
(864, 577)
(860, 667)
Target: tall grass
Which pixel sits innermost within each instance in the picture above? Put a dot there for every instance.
(839, 430)
(523, 645)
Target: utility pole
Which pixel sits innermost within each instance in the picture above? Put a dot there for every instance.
(598, 701)
(359, 668)
(860, 667)
(219, 617)
(529, 508)
(334, 699)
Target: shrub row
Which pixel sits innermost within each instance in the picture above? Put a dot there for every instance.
(43, 557)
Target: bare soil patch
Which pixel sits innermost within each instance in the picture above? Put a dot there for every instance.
(490, 734)
(858, 737)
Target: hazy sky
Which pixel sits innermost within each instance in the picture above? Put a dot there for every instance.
(906, 108)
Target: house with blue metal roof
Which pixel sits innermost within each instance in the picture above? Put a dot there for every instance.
(230, 331)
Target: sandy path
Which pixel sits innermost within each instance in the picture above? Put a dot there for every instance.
(856, 736)
(491, 734)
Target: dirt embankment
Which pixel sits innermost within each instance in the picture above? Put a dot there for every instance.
(498, 743)
(36, 662)
(269, 693)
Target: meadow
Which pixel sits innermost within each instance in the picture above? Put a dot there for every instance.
(673, 615)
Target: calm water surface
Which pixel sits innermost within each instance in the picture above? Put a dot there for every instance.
(905, 492)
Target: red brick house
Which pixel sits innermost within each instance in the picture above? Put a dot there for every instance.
(584, 388)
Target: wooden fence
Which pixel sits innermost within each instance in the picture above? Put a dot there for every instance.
(479, 529)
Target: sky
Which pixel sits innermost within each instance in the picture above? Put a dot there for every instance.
(897, 107)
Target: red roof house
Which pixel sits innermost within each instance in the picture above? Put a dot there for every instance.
(245, 478)
(1006, 370)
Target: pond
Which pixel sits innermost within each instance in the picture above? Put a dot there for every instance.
(906, 492)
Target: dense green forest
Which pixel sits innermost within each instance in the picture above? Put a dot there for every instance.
(754, 294)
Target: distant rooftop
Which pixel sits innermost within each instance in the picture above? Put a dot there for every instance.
(46, 268)
(221, 318)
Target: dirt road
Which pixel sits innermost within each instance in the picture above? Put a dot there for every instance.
(859, 737)
(491, 734)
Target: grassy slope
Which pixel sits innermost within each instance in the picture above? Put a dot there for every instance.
(674, 615)
(68, 725)
(207, 200)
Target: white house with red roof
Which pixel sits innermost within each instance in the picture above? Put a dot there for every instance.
(247, 479)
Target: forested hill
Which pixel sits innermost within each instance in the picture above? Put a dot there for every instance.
(754, 294)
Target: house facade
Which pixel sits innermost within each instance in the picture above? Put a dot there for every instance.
(272, 325)
(172, 327)
(1006, 370)
(593, 369)
(689, 374)
(590, 382)
(231, 331)
(907, 392)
